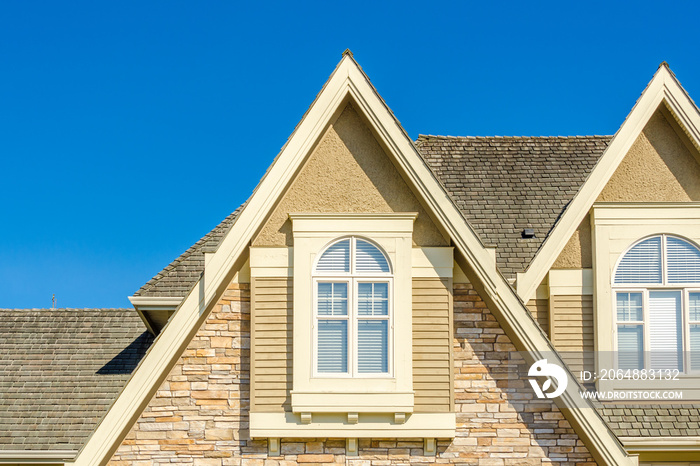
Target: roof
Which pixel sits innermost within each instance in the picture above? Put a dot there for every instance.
(180, 275)
(501, 184)
(60, 370)
(666, 420)
(506, 184)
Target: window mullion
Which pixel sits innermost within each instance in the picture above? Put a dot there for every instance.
(645, 329)
(664, 264)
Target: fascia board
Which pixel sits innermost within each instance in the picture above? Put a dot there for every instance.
(347, 79)
(36, 456)
(643, 444)
(662, 88)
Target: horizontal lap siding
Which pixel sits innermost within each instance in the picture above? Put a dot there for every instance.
(539, 308)
(432, 343)
(271, 364)
(572, 330)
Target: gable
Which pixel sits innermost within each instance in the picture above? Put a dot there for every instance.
(347, 172)
(659, 167)
(347, 81)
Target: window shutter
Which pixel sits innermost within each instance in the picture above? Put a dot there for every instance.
(641, 264)
(369, 259)
(336, 258)
(665, 333)
(333, 346)
(683, 261)
(372, 346)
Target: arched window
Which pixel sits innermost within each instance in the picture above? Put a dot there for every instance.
(353, 309)
(657, 300)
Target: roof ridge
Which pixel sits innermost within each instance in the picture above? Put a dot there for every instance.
(426, 136)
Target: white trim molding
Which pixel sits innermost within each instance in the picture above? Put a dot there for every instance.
(615, 228)
(315, 393)
(663, 90)
(418, 425)
(36, 456)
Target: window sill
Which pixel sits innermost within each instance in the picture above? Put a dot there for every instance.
(352, 402)
(422, 425)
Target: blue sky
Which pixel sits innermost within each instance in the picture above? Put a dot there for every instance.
(129, 129)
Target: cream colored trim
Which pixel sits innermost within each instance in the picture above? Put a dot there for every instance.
(646, 444)
(352, 401)
(347, 82)
(155, 303)
(663, 89)
(419, 425)
(433, 262)
(36, 456)
(616, 227)
(316, 393)
(145, 304)
(571, 282)
(271, 261)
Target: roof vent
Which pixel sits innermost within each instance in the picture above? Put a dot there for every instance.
(528, 233)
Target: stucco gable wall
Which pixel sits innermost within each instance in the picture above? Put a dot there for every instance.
(659, 167)
(347, 172)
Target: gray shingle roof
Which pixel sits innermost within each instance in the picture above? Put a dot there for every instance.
(668, 420)
(501, 184)
(60, 370)
(180, 275)
(506, 184)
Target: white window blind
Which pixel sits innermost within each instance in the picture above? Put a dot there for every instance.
(333, 299)
(372, 346)
(694, 317)
(665, 333)
(630, 346)
(336, 258)
(630, 336)
(641, 264)
(332, 346)
(683, 261)
(369, 259)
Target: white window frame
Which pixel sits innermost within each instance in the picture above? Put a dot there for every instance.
(684, 288)
(314, 392)
(353, 318)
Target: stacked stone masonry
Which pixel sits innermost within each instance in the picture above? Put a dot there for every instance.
(199, 414)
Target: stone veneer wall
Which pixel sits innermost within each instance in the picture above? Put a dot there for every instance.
(198, 416)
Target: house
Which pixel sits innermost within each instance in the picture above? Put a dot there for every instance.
(379, 300)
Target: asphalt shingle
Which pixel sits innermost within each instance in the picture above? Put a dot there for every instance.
(503, 185)
(60, 370)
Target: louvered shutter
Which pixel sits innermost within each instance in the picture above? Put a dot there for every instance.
(641, 264)
(665, 333)
(336, 258)
(369, 259)
(683, 260)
